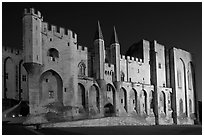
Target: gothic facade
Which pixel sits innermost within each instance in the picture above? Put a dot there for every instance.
(56, 75)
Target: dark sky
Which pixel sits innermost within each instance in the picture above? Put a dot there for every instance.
(171, 24)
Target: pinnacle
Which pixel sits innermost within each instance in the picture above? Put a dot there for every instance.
(98, 34)
(114, 38)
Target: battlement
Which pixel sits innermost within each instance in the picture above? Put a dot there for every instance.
(32, 11)
(131, 59)
(81, 48)
(109, 65)
(58, 31)
(12, 50)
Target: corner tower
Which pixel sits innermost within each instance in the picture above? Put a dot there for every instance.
(32, 39)
(98, 54)
(32, 48)
(115, 54)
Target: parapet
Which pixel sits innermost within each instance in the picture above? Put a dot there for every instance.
(12, 50)
(32, 11)
(58, 31)
(131, 59)
(81, 48)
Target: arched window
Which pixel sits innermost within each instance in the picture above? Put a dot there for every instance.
(122, 76)
(53, 54)
(82, 69)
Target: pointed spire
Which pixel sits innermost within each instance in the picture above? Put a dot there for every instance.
(114, 38)
(98, 34)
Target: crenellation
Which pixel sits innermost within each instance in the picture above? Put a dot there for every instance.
(12, 50)
(62, 31)
(53, 28)
(128, 57)
(132, 58)
(33, 12)
(44, 27)
(58, 31)
(136, 59)
(123, 57)
(82, 48)
(79, 47)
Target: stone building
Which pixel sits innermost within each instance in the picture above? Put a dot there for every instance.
(57, 76)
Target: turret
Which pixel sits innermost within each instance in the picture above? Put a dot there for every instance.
(115, 55)
(32, 39)
(98, 54)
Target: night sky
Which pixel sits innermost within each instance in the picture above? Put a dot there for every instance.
(171, 24)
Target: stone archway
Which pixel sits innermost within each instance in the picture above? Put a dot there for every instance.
(133, 100)
(123, 98)
(109, 108)
(50, 87)
(111, 94)
(94, 97)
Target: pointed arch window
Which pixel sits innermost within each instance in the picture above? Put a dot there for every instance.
(53, 54)
(82, 69)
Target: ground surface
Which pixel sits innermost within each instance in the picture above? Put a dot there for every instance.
(11, 129)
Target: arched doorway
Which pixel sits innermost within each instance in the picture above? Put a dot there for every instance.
(109, 110)
(50, 87)
(94, 99)
(9, 79)
(82, 96)
(123, 98)
(111, 94)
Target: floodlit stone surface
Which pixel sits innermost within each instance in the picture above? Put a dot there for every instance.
(63, 81)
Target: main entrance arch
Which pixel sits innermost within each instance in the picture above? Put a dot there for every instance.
(109, 108)
(50, 87)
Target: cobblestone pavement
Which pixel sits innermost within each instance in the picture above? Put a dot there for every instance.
(108, 121)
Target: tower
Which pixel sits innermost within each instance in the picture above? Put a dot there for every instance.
(32, 48)
(98, 54)
(115, 54)
(32, 39)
